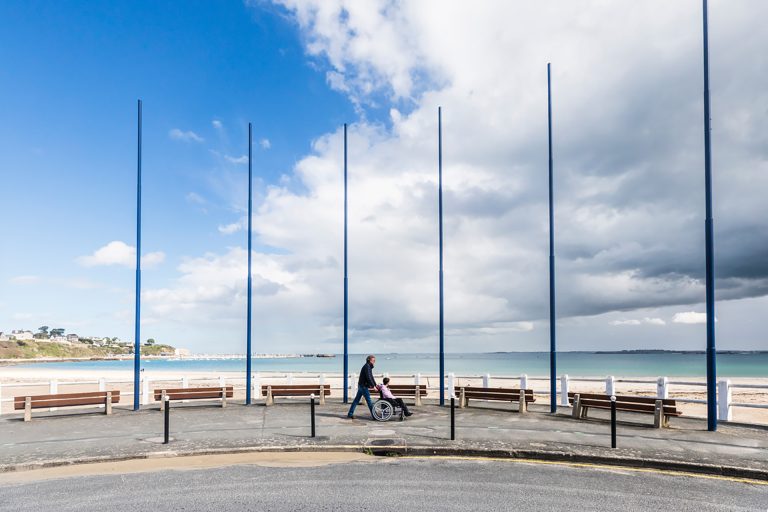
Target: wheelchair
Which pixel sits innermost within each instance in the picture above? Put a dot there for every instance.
(385, 410)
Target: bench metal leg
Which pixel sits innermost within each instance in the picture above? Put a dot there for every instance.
(584, 411)
(576, 413)
(223, 397)
(417, 397)
(658, 413)
(108, 403)
(463, 402)
(270, 400)
(28, 408)
(523, 407)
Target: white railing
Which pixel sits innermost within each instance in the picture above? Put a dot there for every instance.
(452, 381)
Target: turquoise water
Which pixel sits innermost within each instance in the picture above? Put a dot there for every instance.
(531, 363)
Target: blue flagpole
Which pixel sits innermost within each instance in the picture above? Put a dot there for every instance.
(440, 222)
(248, 321)
(346, 279)
(137, 328)
(552, 315)
(709, 240)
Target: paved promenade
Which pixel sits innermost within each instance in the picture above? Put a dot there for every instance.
(68, 436)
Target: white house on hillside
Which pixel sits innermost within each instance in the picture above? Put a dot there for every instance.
(22, 335)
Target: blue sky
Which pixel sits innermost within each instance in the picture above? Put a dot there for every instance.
(69, 81)
(628, 163)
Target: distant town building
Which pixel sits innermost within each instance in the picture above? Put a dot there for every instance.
(57, 336)
(181, 352)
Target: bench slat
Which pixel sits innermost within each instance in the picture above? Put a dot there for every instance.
(193, 393)
(644, 404)
(66, 399)
(296, 390)
(624, 406)
(622, 398)
(499, 394)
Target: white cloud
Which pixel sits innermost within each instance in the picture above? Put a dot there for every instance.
(28, 279)
(80, 283)
(217, 124)
(195, 198)
(370, 46)
(265, 144)
(639, 321)
(211, 286)
(239, 160)
(120, 253)
(188, 136)
(690, 317)
(631, 321)
(234, 227)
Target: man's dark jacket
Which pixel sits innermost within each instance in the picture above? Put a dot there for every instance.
(366, 376)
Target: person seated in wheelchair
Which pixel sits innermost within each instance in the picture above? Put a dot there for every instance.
(387, 395)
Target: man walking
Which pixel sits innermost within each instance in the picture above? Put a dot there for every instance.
(363, 383)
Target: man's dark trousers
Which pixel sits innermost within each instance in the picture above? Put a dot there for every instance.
(362, 391)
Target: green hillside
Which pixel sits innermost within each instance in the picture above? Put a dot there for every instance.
(29, 349)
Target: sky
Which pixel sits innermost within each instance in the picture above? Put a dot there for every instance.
(628, 145)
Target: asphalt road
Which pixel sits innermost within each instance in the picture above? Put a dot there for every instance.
(387, 484)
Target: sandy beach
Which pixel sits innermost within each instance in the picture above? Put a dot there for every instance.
(15, 381)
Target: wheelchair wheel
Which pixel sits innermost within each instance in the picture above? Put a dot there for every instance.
(382, 410)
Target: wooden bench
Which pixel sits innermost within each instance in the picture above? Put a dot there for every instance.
(497, 394)
(220, 393)
(274, 390)
(662, 409)
(406, 390)
(105, 398)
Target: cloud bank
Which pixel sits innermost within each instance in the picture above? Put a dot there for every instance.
(628, 150)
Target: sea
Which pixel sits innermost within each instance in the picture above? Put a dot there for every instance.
(627, 364)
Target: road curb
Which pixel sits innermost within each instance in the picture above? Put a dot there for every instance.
(426, 451)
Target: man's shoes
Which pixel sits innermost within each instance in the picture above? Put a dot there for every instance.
(350, 417)
(408, 414)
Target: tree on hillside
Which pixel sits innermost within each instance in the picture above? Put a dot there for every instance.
(43, 329)
(151, 341)
(57, 331)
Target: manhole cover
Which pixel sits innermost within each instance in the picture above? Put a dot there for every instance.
(383, 442)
